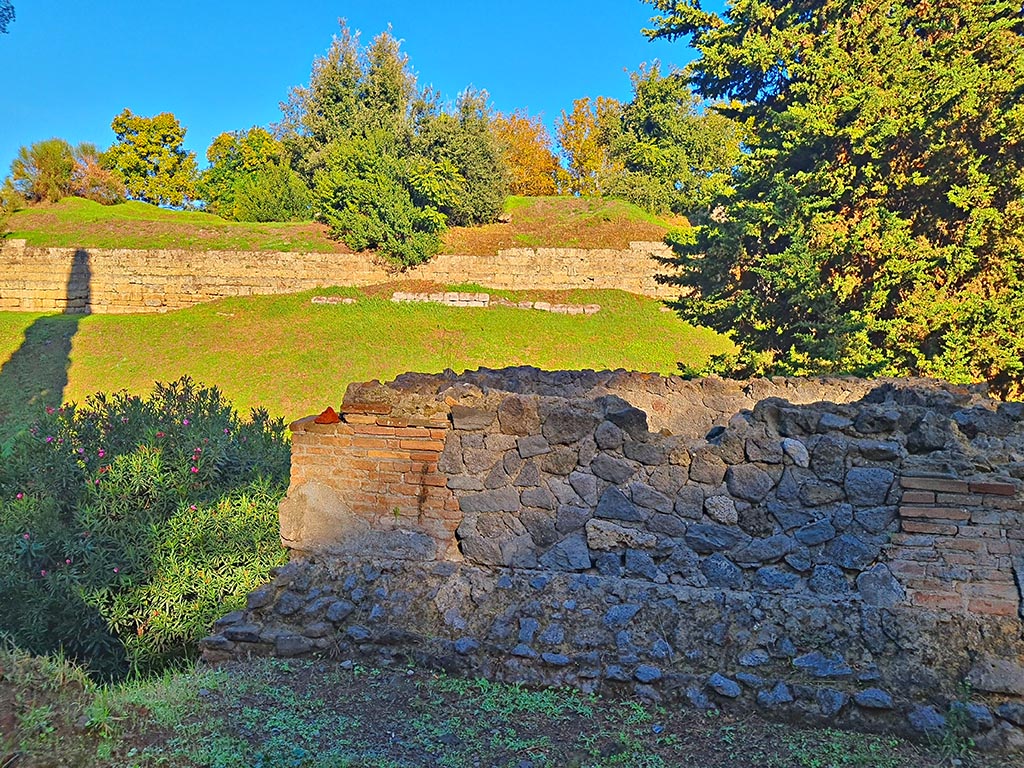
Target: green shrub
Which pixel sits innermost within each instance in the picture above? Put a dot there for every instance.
(128, 525)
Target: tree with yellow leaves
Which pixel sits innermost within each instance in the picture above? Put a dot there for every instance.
(584, 141)
(526, 149)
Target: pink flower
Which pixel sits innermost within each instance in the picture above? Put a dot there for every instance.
(192, 507)
(49, 439)
(195, 469)
(49, 409)
(67, 562)
(42, 573)
(101, 453)
(184, 422)
(227, 431)
(27, 536)
(19, 496)
(159, 434)
(116, 569)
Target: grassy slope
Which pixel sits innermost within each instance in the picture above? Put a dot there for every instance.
(294, 357)
(550, 221)
(75, 223)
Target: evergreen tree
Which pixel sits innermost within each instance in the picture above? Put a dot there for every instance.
(878, 226)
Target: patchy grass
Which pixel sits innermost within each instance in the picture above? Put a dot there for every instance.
(561, 222)
(536, 222)
(313, 714)
(294, 357)
(78, 223)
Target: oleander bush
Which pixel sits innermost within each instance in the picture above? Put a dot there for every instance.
(129, 524)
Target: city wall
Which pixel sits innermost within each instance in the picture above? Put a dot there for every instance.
(35, 279)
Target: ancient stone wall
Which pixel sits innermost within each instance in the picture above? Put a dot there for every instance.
(36, 279)
(833, 551)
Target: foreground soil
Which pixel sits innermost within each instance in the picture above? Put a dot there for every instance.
(338, 713)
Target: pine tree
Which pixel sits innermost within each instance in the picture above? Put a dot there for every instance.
(878, 225)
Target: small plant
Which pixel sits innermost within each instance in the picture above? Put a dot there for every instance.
(128, 525)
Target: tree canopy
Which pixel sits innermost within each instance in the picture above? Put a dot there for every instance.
(878, 221)
(6, 14)
(249, 179)
(149, 159)
(390, 166)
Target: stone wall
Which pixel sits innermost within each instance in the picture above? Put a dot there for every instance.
(121, 281)
(832, 551)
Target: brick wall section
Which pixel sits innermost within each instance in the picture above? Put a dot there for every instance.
(383, 469)
(957, 543)
(104, 281)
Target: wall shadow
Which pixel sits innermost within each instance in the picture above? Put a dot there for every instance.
(35, 376)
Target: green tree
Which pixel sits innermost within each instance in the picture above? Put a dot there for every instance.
(673, 156)
(42, 172)
(879, 218)
(374, 198)
(148, 158)
(389, 167)
(463, 138)
(249, 179)
(6, 14)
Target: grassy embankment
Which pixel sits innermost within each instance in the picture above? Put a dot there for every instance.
(294, 357)
(536, 222)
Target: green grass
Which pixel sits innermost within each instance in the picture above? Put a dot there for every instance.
(312, 714)
(587, 208)
(79, 223)
(295, 358)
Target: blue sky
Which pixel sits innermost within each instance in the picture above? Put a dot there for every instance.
(219, 65)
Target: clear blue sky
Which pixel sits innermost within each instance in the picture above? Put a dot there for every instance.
(71, 66)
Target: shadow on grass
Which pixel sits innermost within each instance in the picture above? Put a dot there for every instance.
(34, 377)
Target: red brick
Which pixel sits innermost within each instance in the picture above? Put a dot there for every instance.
(358, 418)
(987, 517)
(905, 569)
(999, 489)
(935, 513)
(409, 432)
(918, 497)
(915, 526)
(299, 425)
(958, 499)
(439, 434)
(404, 489)
(422, 445)
(1004, 502)
(937, 600)
(430, 459)
(962, 558)
(935, 484)
(440, 481)
(379, 454)
(391, 421)
(359, 441)
(964, 545)
(374, 429)
(369, 407)
(982, 531)
(1001, 547)
(993, 607)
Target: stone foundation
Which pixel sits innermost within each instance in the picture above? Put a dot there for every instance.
(833, 551)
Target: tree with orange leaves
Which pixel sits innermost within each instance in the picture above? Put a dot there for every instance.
(526, 148)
